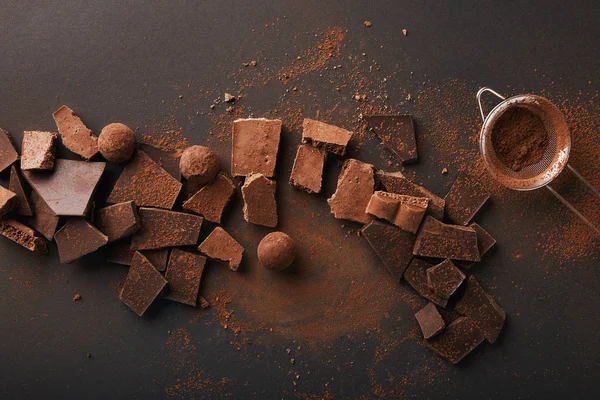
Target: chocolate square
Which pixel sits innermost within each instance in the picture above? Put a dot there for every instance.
(325, 136)
(397, 133)
(183, 275)
(439, 240)
(142, 285)
(465, 199)
(416, 276)
(430, 321)
(118, 221)
(254, 146)
(162, 228)
(355, 186)
(307, 172)
(219, 245)
(456, 341)
(444, 279)
(391, 244)
(210, 201)
(38, 150)
(76, 239)
(260, 205)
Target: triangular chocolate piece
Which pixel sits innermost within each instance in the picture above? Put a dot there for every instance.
(16, 186)
(44, 221)
(397, 133)
(8, 154)
(76, 239)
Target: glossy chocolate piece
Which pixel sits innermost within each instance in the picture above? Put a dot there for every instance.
(219, 245)
(16, 185)
(142, 285)
(38, 150)
(439, 240)
(23, 235)
(76, 239)
(392, 245)
(416, 276)
(8, 154)
(163, 228)
(430, 321)
(75, 135)
(395, 182)
(444, 279)
(465, 199)
(355, 186)
(325, 136)
(397, 133)
(456, 341)
(260, 206)
(183, 275)
(254, 146)
(118, 221)
(307, 172)
(210, 201)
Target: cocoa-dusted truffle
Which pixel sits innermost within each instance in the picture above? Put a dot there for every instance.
(116, 142)
(276, 251)
(200, 164)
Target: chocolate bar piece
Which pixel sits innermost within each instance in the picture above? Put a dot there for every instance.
(211, 200)
(23, 235)
(391, 244)
(8, 201)
(8, 154)
(219, 245)
(485, 242)
(260, 206)
(436, 239)
(38, 150)
(355, 187)
(406, 212)
(76, 239)
(118, 221)
(430, 321)
(142, 285)
(120, 252)
(328, 137)
(167, 161)
(465, 199)
(146, 183)
(444, 279)
(162, 228)
(75, 135)
(395, 182)
(15, 185)
(481, 308)
(183, 275)
(307, 172)
(397, 133)
(416, 276)
(254, 146)
(458, 339)
(44, 220)
(158, 257)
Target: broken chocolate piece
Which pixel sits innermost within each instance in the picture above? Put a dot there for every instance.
(406, 212)
(260, 206)
(118, 221)
(38, 150)
(167, 161)
(8, 154)
(219, 245)
(465, 199)
(158, 257)
(254, 146)
(430, 321)
(416, 276)
(183, 275)
(8, 201)
(23, 235)
(75, 135)
(307, 173)
(392, 245)
(16, 186)
(457, 340)
(355, 187)
(119, 252)
(325, 136)
(44, 220)
(444, 279)
(485, 242)
(146, 183)
(436, 239)
(397, 133)
(142, 285)
(162, 228)
(211, 200)
(76, 239)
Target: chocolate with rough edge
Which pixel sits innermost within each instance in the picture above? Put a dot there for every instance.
(76, 239)
(119, 252)
(430, 321)
(406, 212)
(8, 201)
(397, 133)
(158, 257)
(23, 235)
(44, 220)
(355, 187)
(254, 146)
(307, 172)
(456, 341)
(163, 228)
(8, 154)
(219, 245)
(485, 242)
(16, 185)
(260, 206)
(465, 199)
(416, 276)
(444, 279)
(38, 150)
(328, 137)
(118, 221)
(395, 182)
(167, 161)
(183, 275)
(142, 285)
(439, 240)
(391, 244)
(75, 135)
(210, 201)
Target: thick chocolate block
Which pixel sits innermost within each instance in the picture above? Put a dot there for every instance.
(436, 239)
(8, 201)
(162, 228)
(395, 182)
(397, 133)
(142, 285)
(465, 199)
(307, 173)
(211, 200)
(38, 149)
(76, 239)
(391, 244)
(260, 206)
(183, 275)
(16, 185)
(219, 245)
(430, 321)
(457, 340)
(44, 220)
(23, 235)
(254, 146)
(8, 154)
(406, 212)
(444, 279)
(416, 276)
(327, 137)
(75, 135)
(355, 187)
(118, 221)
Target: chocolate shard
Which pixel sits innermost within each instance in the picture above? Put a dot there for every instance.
(118, 221)
(162, 228)
(481, 308)
(75, 135)
(406, 212)
(23, 235)
(444, 279)
(465, 199)
(76, 239)
(183, 275)
(146, 183)
(260, 206)
(8, 154)
(38, 150)
(439, 240)
(430, 321)
(355, 187)
(69, 189)
(485, 242)
(142, 285)
(16, 186)
(397, 133)
(458, 339)
(254, 146)
(416, 276)
(219, 245)
(44, 220)
(391, 244)
(328, 137)
(166, 160)
(158, 257)
(307, 172)
(210, 201)
(8, 201)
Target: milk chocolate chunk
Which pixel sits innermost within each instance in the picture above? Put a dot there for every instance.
(456, 341)
(118, 221)
(8, 201)
(254, 146)
(166, 160)
(436, 239)
(391, 244)
(219, 245)
(444, 279)
(146, 183)
(465, 198)
(395, 182)
(44, 219)
(75, 135)
(430, 321)
(328, 137)
(142, 285)
(397, 133)
(69, 189)
(15, 185)
(406, 212)
(260, 206)
(210, 201)
(183, 275)
(76, 239)
(481, 308)
(23, 235)
(355, 187)
(38, 150)
(162, 228)
(485, 242)
(307, 173)
(8, 154)
(416, 276)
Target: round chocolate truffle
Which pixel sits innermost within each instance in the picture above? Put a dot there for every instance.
(116, 142)
(199, 163)
(276, 251)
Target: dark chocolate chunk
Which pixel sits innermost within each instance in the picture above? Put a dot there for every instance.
(16, 186)
(219, 245)
(158, 257)
(8, 154)
(44, 220)
(142, 285)
(328, 137)
(416, 276)
(444, 279)
(430, 321)
(395, 182)
(465, 199)
(355, 187)
(436, 239)
(38, 150)
(307, 172)
(392, 245)
(406, 212)
(119, 252)
(75, 135)
(397, 133)
(254, 146)
(167, 161)
(260, 206)
(23, 235)
(211, 200)
(76, 239)
(485, 242)
(8, 201)
(162, 228)
(183, 275)
(118, 221)
(456, 341)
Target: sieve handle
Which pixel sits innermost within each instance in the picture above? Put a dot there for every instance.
(570, 206)
(482, 91)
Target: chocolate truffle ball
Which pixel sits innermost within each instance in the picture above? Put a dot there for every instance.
(116, 142)
(276, 251)
(200, 164)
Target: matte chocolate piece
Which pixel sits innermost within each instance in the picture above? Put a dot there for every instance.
(38, 150)
(328, 137)
(465, 199)
(307, 173)
(183, 275)
(355, 187)
(16, 186)
(8, 154)
(199, 164)
(116, 142)
(167, 161)
(211, 200)
(481, 308)
(142, 285)
(75, 135)
(8, 201)
(444, 279)
(395, 182)
(254, 146)
(219, 245)
(391, 244)
(436, 239)
(119, 252)
(162, 228)
(260, 206)
(430, 321)
(44, 220)
(484, 242)
(159, 257)
(276, 251)
(406, 212)
(456, 341)
(397, 133)
(118, 221)
(416, 276)
(76, 239)
(23, 235)
(146, 183)
(69, 189)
